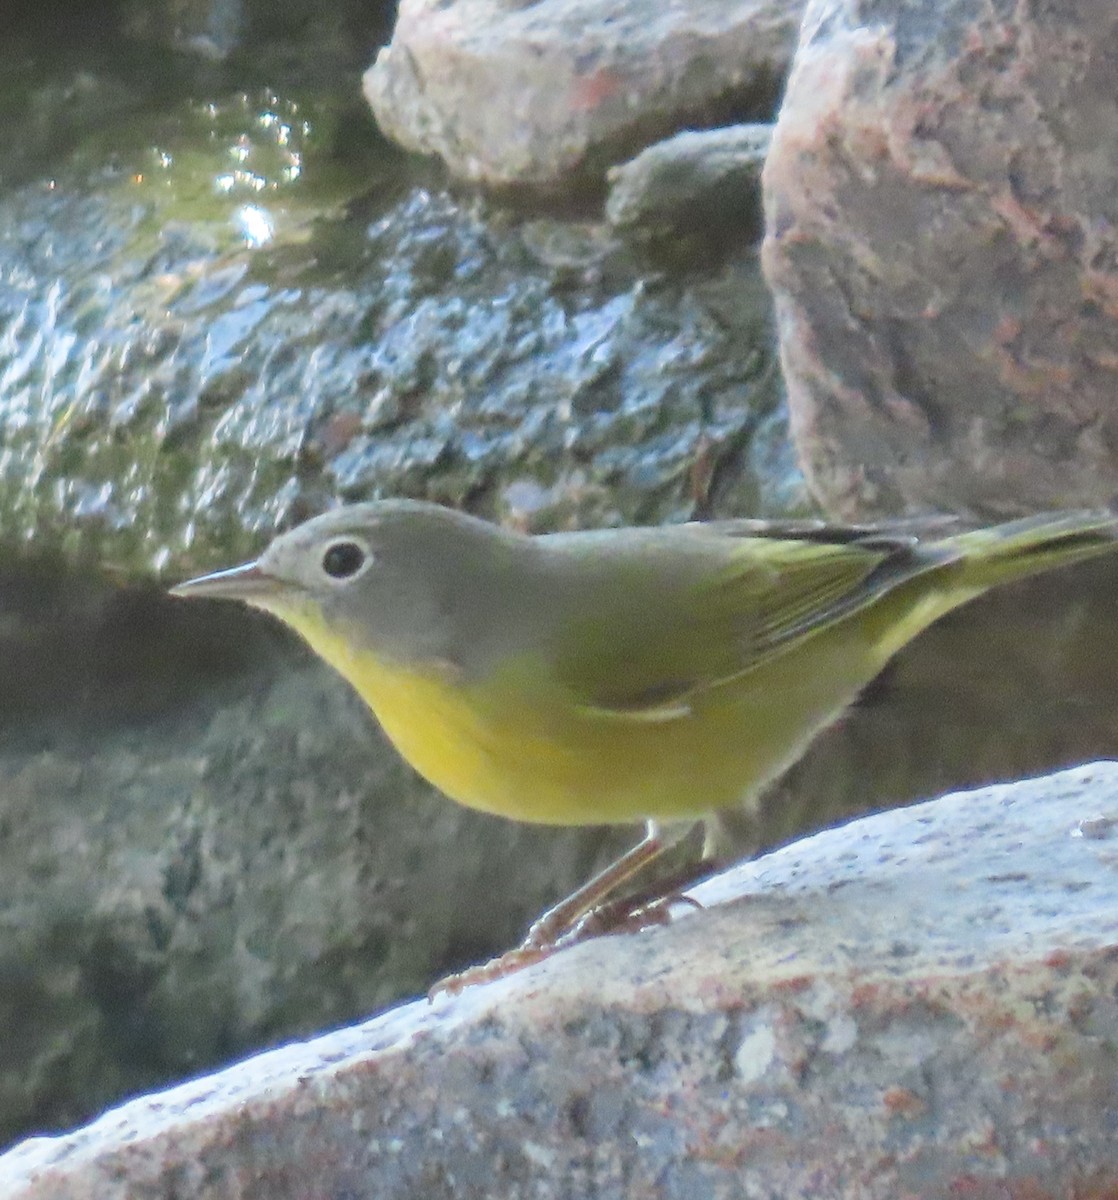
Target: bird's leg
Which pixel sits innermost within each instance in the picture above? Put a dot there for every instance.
(590, 912)
(567, 917)
(639, 910)
(726, 834)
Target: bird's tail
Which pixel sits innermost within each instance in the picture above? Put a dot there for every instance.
(1031, 545)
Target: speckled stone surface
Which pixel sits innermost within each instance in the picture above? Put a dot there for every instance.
(921, 1003)
(941, 242)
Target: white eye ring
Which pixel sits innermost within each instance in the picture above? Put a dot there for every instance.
(345, 558)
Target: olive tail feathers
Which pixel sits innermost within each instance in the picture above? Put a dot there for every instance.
(1033, 544)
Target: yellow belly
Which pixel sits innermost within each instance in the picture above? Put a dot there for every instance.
(487, 746)
(514, 746)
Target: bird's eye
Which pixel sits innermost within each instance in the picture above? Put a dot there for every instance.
(342, 560)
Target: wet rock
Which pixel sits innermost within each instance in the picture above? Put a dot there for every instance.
(174, 398)
(547, 95)
(697, 184)
(220, 315)
(919, 1003)
(941, 210)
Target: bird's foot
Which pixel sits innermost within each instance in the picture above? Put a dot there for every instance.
(625, 916)
(496, 968)
(620, 916)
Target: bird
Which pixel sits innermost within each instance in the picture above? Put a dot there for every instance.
(660, 675)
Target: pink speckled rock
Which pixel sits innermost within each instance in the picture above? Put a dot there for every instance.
(942, 207)
(919, 1004)
(548, 94)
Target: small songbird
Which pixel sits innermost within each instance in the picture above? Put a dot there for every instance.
(642, 674)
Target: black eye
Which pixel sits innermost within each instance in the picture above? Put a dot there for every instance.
(343, 560)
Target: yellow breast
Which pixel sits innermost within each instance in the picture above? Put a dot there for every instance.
(516, 745)
(477, 743)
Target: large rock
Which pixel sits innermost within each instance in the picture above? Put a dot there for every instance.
(166, 407)
(546, 95)
(921, 1003)
(942, 242)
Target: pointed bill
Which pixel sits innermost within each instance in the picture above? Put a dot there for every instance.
(246, 582)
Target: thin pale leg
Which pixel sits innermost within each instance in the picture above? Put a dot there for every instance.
(561, 919)
(640, 910)
(545, 934)
(725, 838)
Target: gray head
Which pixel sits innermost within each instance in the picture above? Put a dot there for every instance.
(407, 579)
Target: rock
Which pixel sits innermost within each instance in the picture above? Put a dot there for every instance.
(180, 402)
(546, 95)
(921, 1003)
(694, 184)
(943, 246)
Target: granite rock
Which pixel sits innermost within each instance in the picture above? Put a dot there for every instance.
(920, 1003)
(942, 242)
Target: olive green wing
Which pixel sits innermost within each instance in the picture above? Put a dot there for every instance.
(768, 586)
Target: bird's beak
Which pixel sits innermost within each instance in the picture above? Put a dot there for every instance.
(246, 582)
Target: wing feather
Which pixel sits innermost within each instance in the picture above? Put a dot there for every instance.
(766, 587)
